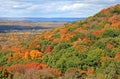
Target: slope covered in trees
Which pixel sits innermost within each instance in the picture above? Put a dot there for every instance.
(86, 49)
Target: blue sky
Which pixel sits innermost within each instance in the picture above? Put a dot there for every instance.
(53, 8)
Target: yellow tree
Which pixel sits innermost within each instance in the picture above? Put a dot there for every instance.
(35, 54)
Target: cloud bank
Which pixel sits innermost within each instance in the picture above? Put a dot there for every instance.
(53, 8)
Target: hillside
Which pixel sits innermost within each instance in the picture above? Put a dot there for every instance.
(86, 49)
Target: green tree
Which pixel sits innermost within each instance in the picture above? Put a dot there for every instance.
(111, 32)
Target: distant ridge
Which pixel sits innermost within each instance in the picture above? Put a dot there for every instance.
(33, 19)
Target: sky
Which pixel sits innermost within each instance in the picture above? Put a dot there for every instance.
(53, 8)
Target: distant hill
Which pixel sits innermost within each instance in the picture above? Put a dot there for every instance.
(28, 19)
(85, 49)
(22, 24)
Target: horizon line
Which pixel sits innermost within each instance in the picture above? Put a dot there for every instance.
(43, 17)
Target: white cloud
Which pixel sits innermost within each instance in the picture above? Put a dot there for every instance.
(72, 6)
(111, 0)
(16, 8)
(7, 5)
(99, 0)
(53, 8)
(33, 7)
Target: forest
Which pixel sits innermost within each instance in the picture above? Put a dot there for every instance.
(85, 49)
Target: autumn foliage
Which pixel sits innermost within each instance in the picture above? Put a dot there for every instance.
(109, 46)
(86, 49)
(35, 54)
(117, 56)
